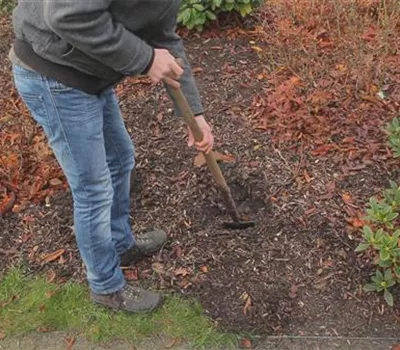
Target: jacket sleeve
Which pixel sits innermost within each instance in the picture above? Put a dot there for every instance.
(170, 40)
(88, 26)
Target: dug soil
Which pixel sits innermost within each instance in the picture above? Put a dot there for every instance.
(294, 273)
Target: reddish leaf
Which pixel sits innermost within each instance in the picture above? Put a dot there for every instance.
(131, 275)
(293, 291)
(70, 341)
(357, 222)
(246, 344)
(7, 203)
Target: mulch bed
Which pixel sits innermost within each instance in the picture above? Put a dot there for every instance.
(294, 273)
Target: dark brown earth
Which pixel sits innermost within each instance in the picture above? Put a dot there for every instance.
(294, 273)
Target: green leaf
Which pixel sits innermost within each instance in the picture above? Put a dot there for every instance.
(245, 9)
(396, 236)
(211, 15)
(384, 255)
(370, 287)
(361, 247)
(385, 263)
(388, 275)
(379, 276)
(388, 297)
(199, 7)
(397, 271)
(368, 234)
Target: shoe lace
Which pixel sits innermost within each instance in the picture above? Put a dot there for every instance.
(132, 291)
(144, 238)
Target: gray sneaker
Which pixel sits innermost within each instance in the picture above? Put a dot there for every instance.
(147, 244)
(129, 298)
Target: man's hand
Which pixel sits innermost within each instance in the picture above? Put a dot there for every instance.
(207, 143)
(164, 68)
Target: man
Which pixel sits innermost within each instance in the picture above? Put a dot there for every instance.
(67, 56)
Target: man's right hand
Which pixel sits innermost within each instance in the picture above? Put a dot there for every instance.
(164, 68)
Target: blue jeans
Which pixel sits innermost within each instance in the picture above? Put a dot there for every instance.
(89, 139)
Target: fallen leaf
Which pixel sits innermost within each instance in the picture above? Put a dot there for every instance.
(50, 276)
(370, 34)
(204, 269)
(2, 335)
(257, 48)
(51, 293)
(246, 344)
(307, 177)
(131, 275)
(33, 252)
(53, 256)
(347, 198)
(7, 204)
(396, 347)
(219, 157)
(42, 307)
(322, 150)
(357, 222)
(247, 306)
(172, 343)
(157, 267)
(55, 182)
(197, 70)
(182, 271)
(44, 329)
(293, 291)
(61, 260)
(70, 341)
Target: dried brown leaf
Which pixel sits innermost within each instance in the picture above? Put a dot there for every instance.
(247, 306)
(2, 335)
(53, 256)
(204, 269)
(219, 157)
(307, 177)
(50, 276)
(70, 342)
(158, 267)
(182, 271)
(172, 343)
(55, 182)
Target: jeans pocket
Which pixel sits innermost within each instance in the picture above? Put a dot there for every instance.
(38, 109)
(58, 87)
(30, 89)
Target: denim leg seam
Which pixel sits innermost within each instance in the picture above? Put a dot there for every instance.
(72, 157)
(124, 224)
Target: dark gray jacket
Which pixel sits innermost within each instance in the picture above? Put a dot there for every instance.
(100, 39)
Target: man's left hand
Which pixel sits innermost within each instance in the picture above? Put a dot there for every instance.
(207, 143)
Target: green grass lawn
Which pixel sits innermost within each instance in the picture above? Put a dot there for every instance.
(31, 303)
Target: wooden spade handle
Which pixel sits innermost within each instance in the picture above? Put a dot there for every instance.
(190, 120)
